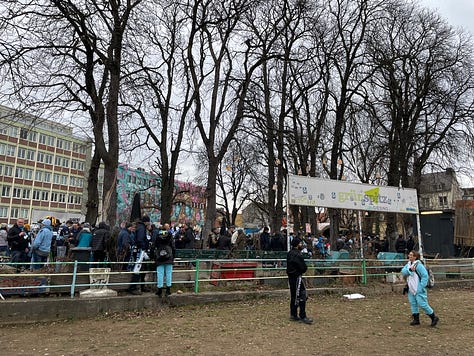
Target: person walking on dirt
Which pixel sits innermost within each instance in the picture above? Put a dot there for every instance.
(295, 268)
(417, 279)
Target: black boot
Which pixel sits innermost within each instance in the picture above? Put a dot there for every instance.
(434, 319)
(168, 291)
(416, 319)
(160, 292)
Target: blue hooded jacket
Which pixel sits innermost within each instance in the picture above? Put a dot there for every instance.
(43, 240)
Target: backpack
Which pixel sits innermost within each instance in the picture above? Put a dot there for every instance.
(163, 253)
(431, 278)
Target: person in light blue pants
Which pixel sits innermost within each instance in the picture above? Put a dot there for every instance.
(417, 279)
(164, 251)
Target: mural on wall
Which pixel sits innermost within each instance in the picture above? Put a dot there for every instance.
(189, 205)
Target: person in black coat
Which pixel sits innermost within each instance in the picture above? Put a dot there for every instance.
(295, 268)
(188, 237)
(17, 240)
(164, 251)
(100, 239)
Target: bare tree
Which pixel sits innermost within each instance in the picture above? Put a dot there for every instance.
(158, 93)
(422, 93)
(219, 85)
(68, 55)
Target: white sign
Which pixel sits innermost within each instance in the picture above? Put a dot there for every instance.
(337, 194)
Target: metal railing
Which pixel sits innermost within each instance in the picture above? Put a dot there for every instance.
(208, 274)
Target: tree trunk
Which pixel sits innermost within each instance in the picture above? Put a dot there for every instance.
(92, 204)
(211, 201)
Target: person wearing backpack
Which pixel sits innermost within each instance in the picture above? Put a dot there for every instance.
(417, 280)
(164, 252)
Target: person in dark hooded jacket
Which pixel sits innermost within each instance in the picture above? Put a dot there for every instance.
(100, 239)
(295, 268)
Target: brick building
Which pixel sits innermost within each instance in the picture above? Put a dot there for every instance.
(42, 167)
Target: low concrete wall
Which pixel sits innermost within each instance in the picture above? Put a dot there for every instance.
(41, 309)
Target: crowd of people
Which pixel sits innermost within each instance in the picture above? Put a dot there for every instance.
(142, 240)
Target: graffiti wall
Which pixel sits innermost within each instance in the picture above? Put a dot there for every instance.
(189, 206)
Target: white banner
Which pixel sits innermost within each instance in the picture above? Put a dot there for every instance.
(338, 194)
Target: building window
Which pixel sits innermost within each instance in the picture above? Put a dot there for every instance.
(14, 213)
(13, 131)
(28, 174)
(39, 176)
(72, 181)
(19, 172)
(21, 153)
(63, 179)
(48, 159)
(17, 193)
(40, 157)
(80, 166)
(1, 169)
(3, 211)
(65, 162)
(56, 178)
(77, 199)
(443, 200)
(32, 136)
(5, 191)
(47, 177)
(67, 145)
(54, 196)
(70, 199)
(44, 195)
(30, 155)
(50, 141)
(24, 134)
(26, 194)
(36, 195)
(59, 143)
(62, 197)
(73, 164)
(24, 212)
(8, 171)
(10, 150)
(42, 139)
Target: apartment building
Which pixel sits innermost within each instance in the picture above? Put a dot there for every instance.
(42, 166)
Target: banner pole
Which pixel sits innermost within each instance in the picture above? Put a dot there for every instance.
(364, 268)
(420, 240)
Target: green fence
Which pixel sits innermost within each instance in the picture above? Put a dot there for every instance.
(209, 273)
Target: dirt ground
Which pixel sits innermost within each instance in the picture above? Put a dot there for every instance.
(376, 324)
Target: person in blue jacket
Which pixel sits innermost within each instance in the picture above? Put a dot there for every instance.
(42, 245)
(417, 279)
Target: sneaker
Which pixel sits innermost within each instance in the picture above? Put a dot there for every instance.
(294, 318)
(434, 321)
(306, 320)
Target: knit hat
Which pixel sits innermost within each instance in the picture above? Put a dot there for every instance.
(295, 242)
(46, 222)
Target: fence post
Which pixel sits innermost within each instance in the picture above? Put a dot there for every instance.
(364, 272)
(196, 278)
(73, 282)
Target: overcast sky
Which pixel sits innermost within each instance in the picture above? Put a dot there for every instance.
(457, 12)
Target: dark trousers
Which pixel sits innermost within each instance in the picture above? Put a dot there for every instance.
(18, 257)
(298, 296)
